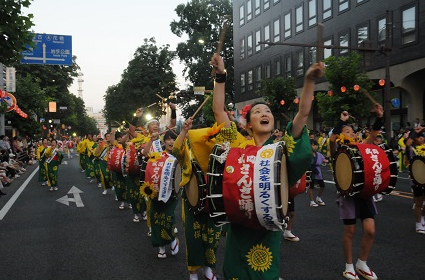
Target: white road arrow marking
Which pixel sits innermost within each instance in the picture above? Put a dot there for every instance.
(77, 198)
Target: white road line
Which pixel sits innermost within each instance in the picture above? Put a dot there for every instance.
(11, 201)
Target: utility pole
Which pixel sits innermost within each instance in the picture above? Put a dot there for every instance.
(387, 90)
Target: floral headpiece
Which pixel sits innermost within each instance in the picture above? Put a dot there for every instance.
(344, 140)
(245, 111)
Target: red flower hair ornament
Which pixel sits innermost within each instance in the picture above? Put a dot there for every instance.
(245, 111)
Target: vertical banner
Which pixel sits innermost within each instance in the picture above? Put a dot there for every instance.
(10, 79)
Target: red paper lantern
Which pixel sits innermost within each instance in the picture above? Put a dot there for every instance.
(282, 102)
(343, 89)
(330, 93)
(356, 87)
(382, 82)
(296, 100)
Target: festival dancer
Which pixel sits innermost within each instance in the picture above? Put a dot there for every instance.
(162, 217)
(53, 159)
(356, 207)
(118, 180)
(415, 146)
(201, 234)
(245, 245)
(101, 153)
(42, 173)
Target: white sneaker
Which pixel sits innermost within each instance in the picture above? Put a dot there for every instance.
(55, 188)
(51, 188)
(176, 230)
(121, 207)
(44, 183)
(144, 216)
(104, 192)
(113, 188)
(319, 201)
(290, 236)
(99, 185)
(313, 204)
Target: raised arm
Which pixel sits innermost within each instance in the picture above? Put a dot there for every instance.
(148, 146)
(315, 71)
(182, 136)
(379, 122)
(219, 97)
(133, 123)
(336, 131)
(173, 115)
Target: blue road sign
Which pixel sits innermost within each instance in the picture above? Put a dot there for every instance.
(50, 49)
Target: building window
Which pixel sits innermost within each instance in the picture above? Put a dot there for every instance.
(299, 26)
(312, 12)
(288, 25)
(312, 55)
(288, 66)
(275, 1)
(343, 5)
(408, 33)
(248, 10)
(242, 82)
(361, 1)
(258, 76)
(276, 30)
(250, 80)
(362, 34)
(278, 67)
(257, 9)
(266, 4)
(242, 48)
(249, 44)
(267, 71)
(327, 9)
(241, 15)
(382, 31)
(327, 52)
(267, 33)
(300, 63)
(343, 42)
(257, 40)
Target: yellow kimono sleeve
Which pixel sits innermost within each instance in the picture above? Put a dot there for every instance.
(183, 156)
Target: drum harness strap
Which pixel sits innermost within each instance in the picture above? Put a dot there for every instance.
(222, 158)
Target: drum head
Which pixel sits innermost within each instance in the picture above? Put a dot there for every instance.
(417, 170)
(177, 178)
(284, 185)
(343, 172)
(192, 191)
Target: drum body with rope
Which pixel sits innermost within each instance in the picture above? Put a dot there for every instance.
(417, 170)
(116, 160)
(365, 170)
(132, 161)
(249, 186)
(163, 175)
(196, 192)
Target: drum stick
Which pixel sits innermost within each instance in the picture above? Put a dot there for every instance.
(163, 99)
(319, 56)
(172, 130)
(369, 96)
(200, 107)
(151, 105)
(286, 117)
(221, 40)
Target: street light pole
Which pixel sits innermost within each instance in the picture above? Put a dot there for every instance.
(387, 89)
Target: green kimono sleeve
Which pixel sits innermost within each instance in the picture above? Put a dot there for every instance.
(299, 154)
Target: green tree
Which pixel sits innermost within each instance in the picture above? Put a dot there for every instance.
(203, 20)
(344, 71)
(148, 74)
(15, 32)
(280, 94)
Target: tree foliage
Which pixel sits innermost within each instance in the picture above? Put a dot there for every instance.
(15, 32)
(279, 90)
(147, 75)
(203, 20)
(344, 71)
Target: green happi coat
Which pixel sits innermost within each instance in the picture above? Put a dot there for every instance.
(53, 158)
(162, 220)
(103, 174)
(255, 254)
(90, 171)
(201, 234)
